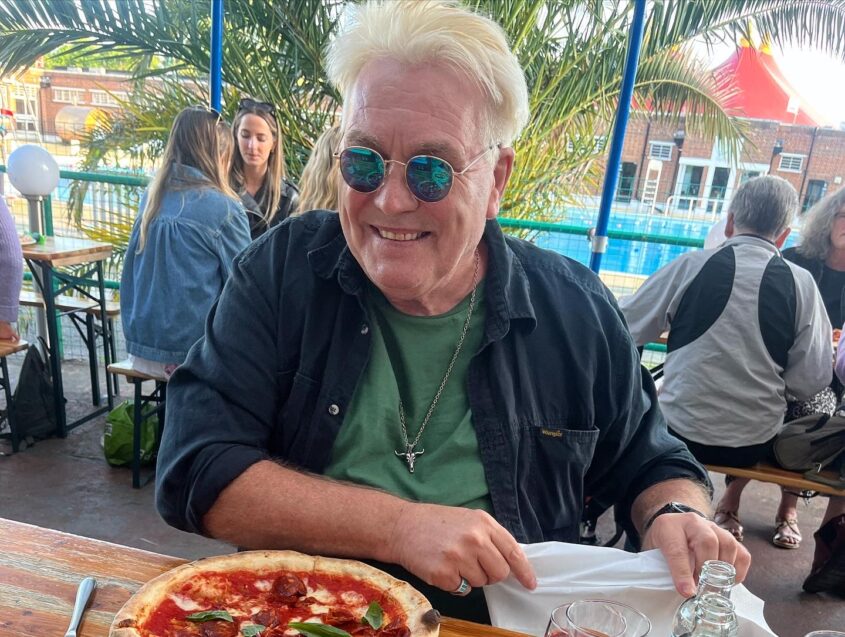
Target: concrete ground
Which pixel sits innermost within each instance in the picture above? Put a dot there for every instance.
(67, 485)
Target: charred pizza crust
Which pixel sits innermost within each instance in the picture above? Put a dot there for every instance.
(422, 621)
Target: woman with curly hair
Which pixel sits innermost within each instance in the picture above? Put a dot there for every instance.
(319, 181)
(822, 252)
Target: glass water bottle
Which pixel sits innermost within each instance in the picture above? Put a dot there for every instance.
(714, 617)
(716, 578)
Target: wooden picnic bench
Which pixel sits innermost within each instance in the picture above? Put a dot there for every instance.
(155, 398)
(765, 472)
(83, 311)
(7, 348)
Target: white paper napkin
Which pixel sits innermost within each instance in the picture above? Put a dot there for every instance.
(568, 572)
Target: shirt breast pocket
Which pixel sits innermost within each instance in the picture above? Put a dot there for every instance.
(559, 461)
(298, 400)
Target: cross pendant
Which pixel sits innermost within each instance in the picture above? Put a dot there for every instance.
(410, 456)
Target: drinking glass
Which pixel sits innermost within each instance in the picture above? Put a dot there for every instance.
(597, 618)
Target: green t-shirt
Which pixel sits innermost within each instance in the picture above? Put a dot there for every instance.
(415, 351)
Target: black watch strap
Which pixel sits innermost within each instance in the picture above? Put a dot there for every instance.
(671, 507)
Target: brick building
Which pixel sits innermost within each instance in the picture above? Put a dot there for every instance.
(59, 104)
(666, 169)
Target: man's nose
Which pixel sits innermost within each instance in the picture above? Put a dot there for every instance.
(393, 197)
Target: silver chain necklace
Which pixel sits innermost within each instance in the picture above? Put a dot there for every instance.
(410, 455)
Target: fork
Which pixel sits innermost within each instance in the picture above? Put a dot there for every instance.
(83, 593)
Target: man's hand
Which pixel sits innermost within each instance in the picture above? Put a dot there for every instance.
(7, 332)
(687, 541)
(442, 544)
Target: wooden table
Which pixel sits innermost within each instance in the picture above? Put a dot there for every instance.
(43, 259)
(41, 568)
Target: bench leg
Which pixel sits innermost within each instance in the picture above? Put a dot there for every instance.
(115, 377)
(92, 359)
(6, 381)
(137, 422)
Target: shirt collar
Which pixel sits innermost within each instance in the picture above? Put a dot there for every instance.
(507, 290)
(183, 172)
(750, 239)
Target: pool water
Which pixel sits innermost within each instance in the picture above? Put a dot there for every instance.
(633, 257)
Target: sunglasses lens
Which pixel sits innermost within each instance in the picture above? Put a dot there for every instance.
(362, 169)
(261, 106)
(429, 178)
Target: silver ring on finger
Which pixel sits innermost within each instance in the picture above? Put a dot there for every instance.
(463, 588)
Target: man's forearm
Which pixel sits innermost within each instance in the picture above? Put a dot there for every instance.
(271, 506)
(680, 490)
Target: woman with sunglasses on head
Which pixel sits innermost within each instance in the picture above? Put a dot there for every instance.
(258, 167)
(190, 228)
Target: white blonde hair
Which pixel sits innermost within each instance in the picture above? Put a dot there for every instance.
(416, 31)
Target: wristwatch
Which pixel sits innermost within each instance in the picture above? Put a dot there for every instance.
(671, 507)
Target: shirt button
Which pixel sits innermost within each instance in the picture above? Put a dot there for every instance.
(365, 328)
(334, 410)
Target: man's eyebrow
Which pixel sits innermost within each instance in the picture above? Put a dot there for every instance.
(360, 138)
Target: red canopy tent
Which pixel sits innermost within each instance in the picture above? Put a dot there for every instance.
(760, 89)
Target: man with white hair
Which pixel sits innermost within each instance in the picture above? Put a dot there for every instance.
(402, 383)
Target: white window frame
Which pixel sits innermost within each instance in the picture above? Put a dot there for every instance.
(68, 95)
(789, 165)
(600, 143)
(104, 98)
(665, 152)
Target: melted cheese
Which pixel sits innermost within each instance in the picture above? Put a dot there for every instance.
(352, 598)
(185, 603)
(319, 608)
(263, 585)
(322, 595)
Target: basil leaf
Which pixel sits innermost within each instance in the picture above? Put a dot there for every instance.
(313, 629)
(253, 630)
(209, 615)
(374, 616)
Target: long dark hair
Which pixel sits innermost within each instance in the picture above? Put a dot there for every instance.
(199, 138)
(272, 190)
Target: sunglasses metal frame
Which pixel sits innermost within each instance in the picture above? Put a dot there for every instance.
(385, 162)
(210, 110)
(248, 102)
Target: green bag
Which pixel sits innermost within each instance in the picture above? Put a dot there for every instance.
(117, 437)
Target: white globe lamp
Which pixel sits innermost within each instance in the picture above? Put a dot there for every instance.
(33, 171)
(35, 174)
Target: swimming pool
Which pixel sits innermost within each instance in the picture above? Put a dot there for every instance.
(633, 257)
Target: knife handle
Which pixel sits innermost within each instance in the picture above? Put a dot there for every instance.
(86, 587)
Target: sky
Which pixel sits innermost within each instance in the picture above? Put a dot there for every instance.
(818, 77)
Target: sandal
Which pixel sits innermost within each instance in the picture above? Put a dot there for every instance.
(729, 521)
(787, 535)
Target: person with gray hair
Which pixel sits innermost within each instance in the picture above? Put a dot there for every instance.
(400, 381)
(747, 331)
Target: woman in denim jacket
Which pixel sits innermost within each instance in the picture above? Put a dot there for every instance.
(190, 229)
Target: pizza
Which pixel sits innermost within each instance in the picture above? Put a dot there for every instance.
(275, 594)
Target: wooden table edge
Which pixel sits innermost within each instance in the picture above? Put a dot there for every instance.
(449, 627)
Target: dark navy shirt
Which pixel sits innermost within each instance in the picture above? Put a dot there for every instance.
(560, 404)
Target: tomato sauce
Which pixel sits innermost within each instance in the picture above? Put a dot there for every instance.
(237, 591)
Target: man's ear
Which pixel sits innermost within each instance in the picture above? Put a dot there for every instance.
(729, 226)
(782, 237)
(501, 174)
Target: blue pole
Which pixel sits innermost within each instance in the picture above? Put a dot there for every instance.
(614, 158)
(216, 70)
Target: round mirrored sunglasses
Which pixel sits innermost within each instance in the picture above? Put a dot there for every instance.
(429, 178)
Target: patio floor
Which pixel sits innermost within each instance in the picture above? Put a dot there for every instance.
(67, 485)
